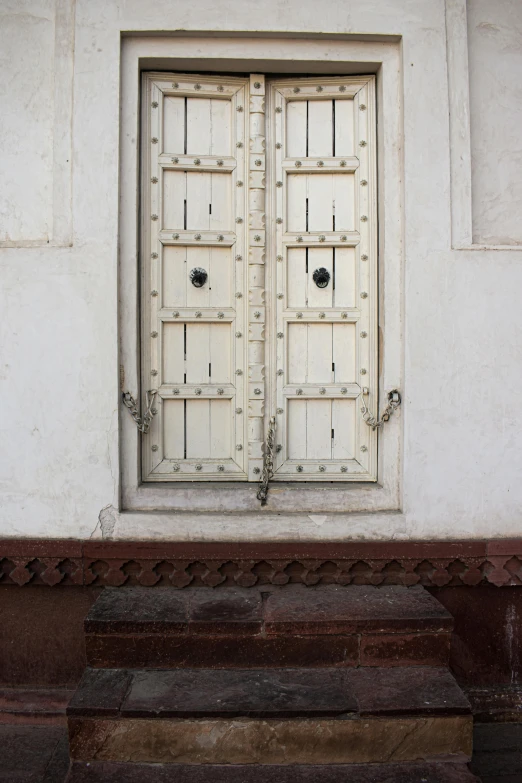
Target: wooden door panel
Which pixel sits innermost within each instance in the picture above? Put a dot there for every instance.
(178, 263)
(320, 128)
(197, 429)
(325, 309)
(196, 126)
(321, 353)
(195, 282)
(302, 291)
(321, 202)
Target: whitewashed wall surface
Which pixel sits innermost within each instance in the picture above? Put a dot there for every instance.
(449, 133)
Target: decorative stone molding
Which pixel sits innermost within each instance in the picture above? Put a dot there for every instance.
(150, 564)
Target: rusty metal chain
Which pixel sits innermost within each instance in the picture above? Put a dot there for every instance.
(394, 400)
(268, 463)
(142, 424)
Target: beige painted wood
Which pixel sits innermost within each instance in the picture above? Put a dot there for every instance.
(322, 342)
(194, 162)
(327, 348)
(321, 202)
(174, 196)
(257, 330)
(296, 129)
(173, 353)
(319, 258)
(173, 125)
(344, 351)
(173, 420)
(301, 289)
(344, 418)
(320, 129)
(345, 277)
(179, 261)
(344, 128)
(209, 126)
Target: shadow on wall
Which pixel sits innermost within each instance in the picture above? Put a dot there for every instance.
(486, 648)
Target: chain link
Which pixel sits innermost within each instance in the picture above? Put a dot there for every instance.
(394, 400)
(268, 462)
(142, 424)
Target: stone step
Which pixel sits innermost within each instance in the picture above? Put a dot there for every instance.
(272, 716)
(248, 627)
(113, 772)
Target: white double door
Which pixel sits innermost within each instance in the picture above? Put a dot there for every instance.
(259, 276)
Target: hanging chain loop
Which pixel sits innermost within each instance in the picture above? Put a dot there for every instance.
(394, 400)
(142, 424)
(268, 462)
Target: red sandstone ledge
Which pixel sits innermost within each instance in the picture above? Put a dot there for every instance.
(326, 625)
(179, 564)
(376, 550)
(296, 610)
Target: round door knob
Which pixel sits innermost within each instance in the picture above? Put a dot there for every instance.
(321, 277)
(198, 277)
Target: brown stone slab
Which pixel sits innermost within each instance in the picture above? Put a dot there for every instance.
(138, 610)
(32, 754)
(419, 649)
(41, 547)
(225, 551)
(100, 692)
(282, 693)
(413, 690)
(114, 772)
(504, 546)
(293, 609)
(296, 693)
(337, 610)
(165, 651)
(225, 611)
(250, 741)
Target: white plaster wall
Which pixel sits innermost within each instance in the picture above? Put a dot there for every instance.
(26, 118)
(461, 417)
(495, 69)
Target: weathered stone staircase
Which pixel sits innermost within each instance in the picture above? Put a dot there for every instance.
(323, 684)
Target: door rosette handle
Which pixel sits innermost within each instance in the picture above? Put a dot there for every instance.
(321, 277)
(198, 277)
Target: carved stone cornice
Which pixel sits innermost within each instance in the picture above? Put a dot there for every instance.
(156, 563)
